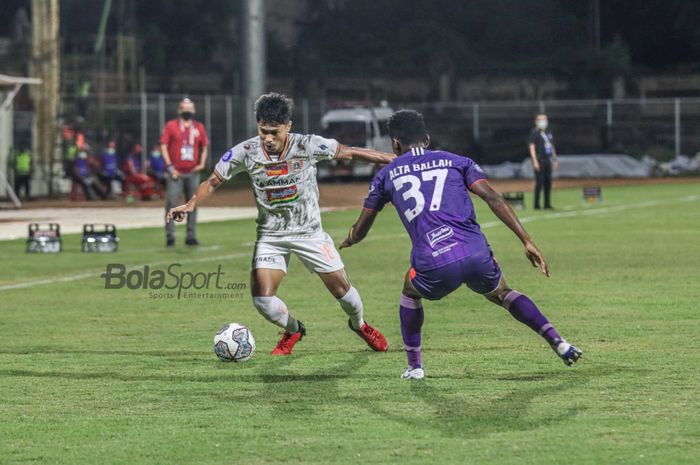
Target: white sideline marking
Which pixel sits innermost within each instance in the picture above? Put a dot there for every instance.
(205, 248)
(13, 223)
(77, 277)
(567, 214)
(491, 224)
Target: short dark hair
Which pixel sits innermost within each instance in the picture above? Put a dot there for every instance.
(407, 127)
(274, 108)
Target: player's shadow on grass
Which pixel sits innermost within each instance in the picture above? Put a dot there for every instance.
(108, 352)
(291, 391)
(342, 371)
(243, 371)
(460, 416)
(143, 375)
(455, 416)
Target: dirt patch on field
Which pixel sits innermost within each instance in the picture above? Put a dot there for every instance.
(350, 194)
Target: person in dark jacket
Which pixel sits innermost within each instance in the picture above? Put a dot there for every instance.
(544, 159)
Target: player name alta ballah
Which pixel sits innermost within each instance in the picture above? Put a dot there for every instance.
(432, 164)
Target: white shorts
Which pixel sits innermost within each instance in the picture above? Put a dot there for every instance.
(316, 252)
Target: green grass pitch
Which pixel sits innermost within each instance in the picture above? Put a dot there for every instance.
(89, 375)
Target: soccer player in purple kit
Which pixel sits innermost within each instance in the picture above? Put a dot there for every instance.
(430, 191)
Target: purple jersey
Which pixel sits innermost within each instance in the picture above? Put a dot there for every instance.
(430, 191)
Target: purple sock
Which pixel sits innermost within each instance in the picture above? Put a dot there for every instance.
(525, 311)
(411, 313)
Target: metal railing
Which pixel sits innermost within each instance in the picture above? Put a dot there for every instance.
(489, 131)
(497, 131)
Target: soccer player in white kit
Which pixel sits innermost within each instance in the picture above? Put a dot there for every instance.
(282, 169)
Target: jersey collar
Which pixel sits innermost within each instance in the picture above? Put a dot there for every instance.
(283, 154)
(415, 151)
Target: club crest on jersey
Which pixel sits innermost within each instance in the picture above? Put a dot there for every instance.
(297, 165)
(277, 169)
(439, 234)
(282, 196)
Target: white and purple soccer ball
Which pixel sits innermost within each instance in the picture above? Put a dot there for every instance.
(234, 343)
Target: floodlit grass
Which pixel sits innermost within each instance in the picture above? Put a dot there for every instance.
(90, 375)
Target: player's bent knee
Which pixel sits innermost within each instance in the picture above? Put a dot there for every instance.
(499, 294)
(496, 295)
(505, 297)
(411, 294)
(411, 299)
(340, 291)
(410, 291)
(336, 282)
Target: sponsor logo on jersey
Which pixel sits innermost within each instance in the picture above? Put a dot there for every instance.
(439, 234)
(250, 146)
(277, 182)
(277, 169)
(443, 250)
(282, 196)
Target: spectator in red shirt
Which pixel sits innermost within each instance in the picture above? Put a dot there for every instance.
(184, 147)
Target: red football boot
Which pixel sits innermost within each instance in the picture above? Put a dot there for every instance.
(374, 339)
(286, 344)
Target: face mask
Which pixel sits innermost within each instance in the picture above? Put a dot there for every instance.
(111, 151)
(542, 124)
(82, 155)
(187, 115)
(155, 154)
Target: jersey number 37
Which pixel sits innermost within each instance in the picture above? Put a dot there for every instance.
(414, 192)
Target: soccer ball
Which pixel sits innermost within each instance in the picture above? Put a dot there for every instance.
(234, 343)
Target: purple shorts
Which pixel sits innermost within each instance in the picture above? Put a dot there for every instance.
(479, 272)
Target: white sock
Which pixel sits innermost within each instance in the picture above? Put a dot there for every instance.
(351, 303)
(562, 347)
(275, 311)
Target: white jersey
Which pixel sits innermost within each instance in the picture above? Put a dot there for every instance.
(286, 191)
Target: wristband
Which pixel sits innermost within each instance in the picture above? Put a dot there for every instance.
(170, 169)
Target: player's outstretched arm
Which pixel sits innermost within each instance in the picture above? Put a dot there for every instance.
(204, 190)
(359, 230)
(371, 156)
(506, 214)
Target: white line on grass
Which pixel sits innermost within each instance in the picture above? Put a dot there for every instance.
(95, 274)
(568, 214)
